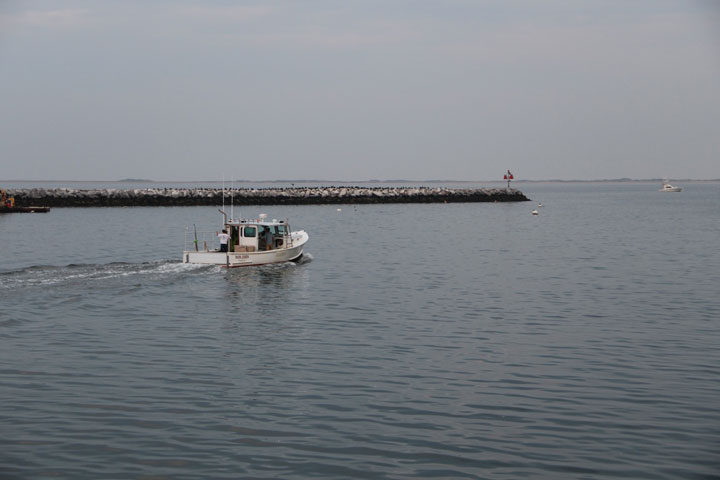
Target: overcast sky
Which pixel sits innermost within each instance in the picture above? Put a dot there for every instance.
(359, 89)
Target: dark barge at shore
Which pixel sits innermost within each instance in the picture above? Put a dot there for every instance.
(24, 209)
(67, 197)
(7, 205)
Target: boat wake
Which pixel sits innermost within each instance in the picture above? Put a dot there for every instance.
(73, 274)
(50, 275)
(304, 259)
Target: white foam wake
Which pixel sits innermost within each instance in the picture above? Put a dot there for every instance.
(46, 275)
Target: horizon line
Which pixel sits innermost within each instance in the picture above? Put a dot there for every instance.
(557, 180)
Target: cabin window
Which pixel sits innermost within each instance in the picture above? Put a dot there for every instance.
(281, 229)
(249, 232)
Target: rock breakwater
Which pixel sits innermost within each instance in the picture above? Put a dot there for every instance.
(68, 197)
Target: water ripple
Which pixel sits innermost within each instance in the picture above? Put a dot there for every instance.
(552, 349)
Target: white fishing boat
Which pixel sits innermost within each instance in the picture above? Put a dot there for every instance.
(669, 188)
(249, 242)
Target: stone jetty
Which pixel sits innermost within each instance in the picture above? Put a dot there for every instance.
(68, 197)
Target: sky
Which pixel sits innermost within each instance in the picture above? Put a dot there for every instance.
(359, 89)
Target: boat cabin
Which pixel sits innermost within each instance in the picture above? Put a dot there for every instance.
(256, 236)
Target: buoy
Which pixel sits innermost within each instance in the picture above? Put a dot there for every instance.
(535, 212)
(339, 209)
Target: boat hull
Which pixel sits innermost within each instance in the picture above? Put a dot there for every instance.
(24, 209)
(248, 259)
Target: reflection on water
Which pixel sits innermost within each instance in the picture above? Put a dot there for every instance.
(266, 285)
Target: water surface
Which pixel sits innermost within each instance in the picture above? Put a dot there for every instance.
(412, 341)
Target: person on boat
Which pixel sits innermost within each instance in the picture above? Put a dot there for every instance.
(268, 237)
(224, 237)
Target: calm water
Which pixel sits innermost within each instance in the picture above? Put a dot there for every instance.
(413, 341)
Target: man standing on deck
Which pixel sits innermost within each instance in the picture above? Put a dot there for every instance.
(224, 237)
(268, 237)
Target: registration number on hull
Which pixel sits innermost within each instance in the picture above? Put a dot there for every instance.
(235, 259)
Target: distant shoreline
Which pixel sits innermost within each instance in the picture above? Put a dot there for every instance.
(365, 182)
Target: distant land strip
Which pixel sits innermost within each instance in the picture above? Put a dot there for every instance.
(162, 197)
(365, 182)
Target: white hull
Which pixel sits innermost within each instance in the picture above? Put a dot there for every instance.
(245, 259)
(669, 188)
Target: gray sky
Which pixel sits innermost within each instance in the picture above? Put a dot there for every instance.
(359, 89)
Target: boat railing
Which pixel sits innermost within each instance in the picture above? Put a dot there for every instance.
(206, 240)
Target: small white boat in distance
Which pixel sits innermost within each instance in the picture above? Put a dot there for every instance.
(669, 188)
(252, 242)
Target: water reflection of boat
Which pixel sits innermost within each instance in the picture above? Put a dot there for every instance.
(669, 188)
(251, 242)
